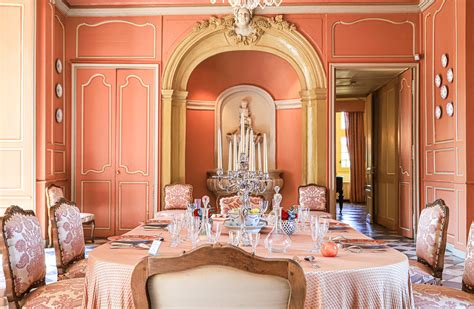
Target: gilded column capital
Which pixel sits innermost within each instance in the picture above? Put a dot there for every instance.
(311, 95)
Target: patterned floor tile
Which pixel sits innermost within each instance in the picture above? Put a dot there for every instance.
(356, 216)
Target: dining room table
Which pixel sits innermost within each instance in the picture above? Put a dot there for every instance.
(366, 278)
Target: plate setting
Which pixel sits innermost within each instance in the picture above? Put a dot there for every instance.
(444, 92)
(450, 75)
(438, 112)
(450, 109)
(438, 80)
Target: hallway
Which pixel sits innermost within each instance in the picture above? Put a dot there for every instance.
(356, 215)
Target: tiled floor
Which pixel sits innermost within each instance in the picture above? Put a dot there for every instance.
(356, 216)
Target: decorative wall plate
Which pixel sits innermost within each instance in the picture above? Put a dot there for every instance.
(444, 60)
(59, 65)
(438, 112)
(59, 90)
(450, 109)
(59, 115)
(438, 80)
(450, 75)
(444, 92)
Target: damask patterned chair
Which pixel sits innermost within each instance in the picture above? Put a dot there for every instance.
(234, 279)
(227, 203)
(68, 240)
(177, 198)
(53, 194)
(314, 197)
(430, 244)
(429, 296)
(25, 269)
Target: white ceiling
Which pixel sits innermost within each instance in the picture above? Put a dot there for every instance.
(359, 82)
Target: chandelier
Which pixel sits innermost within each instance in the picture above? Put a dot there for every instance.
(250, 4)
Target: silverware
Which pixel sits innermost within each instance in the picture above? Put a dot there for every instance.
(312, 260)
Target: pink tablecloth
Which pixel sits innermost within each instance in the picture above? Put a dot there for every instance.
(351, 280)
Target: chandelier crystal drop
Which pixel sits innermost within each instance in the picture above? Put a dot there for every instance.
(250, 4)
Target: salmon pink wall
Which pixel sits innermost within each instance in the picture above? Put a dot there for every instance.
(199, 150)
(264, 70)
(152, 39)
(220, 72)
(444, 152)
(52, 143)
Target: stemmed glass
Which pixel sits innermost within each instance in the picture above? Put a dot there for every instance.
(217, 235)
(315, 234)
(174, 229)
(234, 237)
(193, 232)
(254, 239)
(263, 205)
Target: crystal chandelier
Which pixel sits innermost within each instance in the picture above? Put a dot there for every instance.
(250, 4)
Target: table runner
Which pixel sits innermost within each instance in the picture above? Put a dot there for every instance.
(350, 280)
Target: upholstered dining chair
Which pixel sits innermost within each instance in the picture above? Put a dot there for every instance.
(25, 269)
(177, 197)
(68, 240)
(429, 296)
(53, 194)
(227, 203)
(430, 244)
(233, 278)
(313, 197)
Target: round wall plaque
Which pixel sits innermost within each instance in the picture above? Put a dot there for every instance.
(450, 109)
(59, 115)
(59, 90)
(444, 92)
(450, 75)
(438, 80)
(59, 65)
(438, 112)
(444, 60)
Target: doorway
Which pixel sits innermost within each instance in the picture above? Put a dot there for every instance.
(373, 129)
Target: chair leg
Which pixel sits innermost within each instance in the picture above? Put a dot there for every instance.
(92, 230)
(50, 238)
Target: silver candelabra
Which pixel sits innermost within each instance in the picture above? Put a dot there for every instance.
(244, 182)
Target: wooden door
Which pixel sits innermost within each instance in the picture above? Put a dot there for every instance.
(405, 172)
(369, 160)
(387, 156)
(95, 146)
(135, 155)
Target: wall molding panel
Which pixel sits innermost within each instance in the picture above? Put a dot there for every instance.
(17, 117)
(396, 24)
(104, 41)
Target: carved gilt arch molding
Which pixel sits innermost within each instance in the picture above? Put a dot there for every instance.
(216, 35)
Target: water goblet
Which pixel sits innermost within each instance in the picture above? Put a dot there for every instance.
(234, 237)
(217, 235)
(263, 205)
(315, 234)
(254, 239)
(174, 229)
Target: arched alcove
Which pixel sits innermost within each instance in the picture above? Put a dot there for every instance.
(216, 35)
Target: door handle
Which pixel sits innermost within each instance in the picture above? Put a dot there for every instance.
(118, 172)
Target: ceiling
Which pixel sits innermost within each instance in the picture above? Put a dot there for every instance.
(175, 3)
(360, 82)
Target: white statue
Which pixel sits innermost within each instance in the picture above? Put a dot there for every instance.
(243, 22)
(244, 112)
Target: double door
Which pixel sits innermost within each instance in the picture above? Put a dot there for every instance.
(114, 149)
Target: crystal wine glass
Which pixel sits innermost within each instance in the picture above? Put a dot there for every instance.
(254, 239)
(315, 234)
